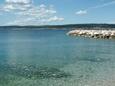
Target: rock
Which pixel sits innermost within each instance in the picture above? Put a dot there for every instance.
(36, 72)
(106, 34)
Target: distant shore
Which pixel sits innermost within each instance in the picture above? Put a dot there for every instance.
(67, 26)
(105, 34)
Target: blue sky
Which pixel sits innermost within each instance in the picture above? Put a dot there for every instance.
(44, 12)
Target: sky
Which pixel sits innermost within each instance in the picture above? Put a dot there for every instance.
(56, 12)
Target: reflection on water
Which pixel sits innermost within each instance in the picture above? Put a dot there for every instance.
(51, 58)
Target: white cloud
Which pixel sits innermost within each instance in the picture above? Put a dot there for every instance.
(102, 5)
(55, 18)
(17, 5)
(18, 1)
(81, 12)
(38, 11)
(35, 21)
(29, 14)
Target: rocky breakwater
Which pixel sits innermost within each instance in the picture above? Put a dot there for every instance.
(105, 34)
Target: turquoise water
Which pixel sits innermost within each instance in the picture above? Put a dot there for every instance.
(51, 58)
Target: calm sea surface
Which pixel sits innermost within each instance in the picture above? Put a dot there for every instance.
(51, 58)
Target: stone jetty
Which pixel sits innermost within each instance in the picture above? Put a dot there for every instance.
(105, 34)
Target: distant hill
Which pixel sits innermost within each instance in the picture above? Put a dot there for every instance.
(68, 26)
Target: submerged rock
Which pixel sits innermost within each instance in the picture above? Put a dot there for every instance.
(94, 59)
(36, 72)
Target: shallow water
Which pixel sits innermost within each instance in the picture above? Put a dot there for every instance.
(51, 58)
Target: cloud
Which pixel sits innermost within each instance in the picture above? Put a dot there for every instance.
(35, 21)
(38, 11)
(81, 12)
(102, 5)
(55, 18)
(28, 14)
(17, 5)
(18, 1)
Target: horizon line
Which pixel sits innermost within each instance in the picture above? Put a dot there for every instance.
(60, 24)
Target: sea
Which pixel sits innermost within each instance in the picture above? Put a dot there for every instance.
(47, 57)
